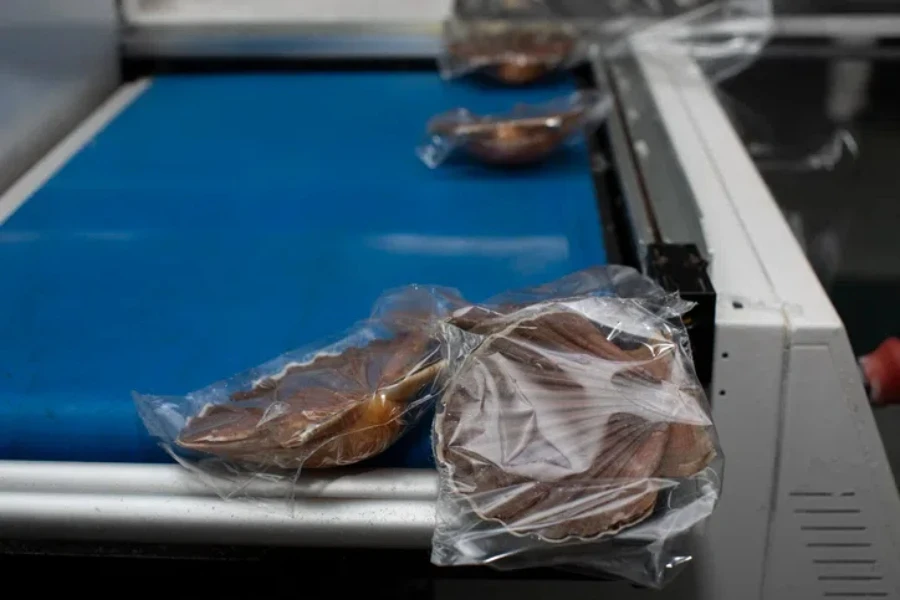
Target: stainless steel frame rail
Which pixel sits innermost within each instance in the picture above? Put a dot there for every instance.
(165, 503)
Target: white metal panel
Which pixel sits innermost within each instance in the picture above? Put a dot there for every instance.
(218, 12)
(746, 397)
(58, 60)
(835, 531)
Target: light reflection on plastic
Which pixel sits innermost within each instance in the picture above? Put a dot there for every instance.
(827, 157)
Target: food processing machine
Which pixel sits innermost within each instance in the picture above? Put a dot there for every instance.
(189, 189)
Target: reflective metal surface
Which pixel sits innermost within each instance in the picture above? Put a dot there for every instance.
(166, 503)
(136, 519)
(634, 195)
(659, 196)
(33, 477)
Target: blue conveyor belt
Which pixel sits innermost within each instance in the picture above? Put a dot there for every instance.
(221, 220)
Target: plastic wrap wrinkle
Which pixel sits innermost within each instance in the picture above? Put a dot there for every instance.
(723, 36)
(823, 146)
(321, 414)
(524, 135)
(574, 423)
(514, 53)
(324, 406)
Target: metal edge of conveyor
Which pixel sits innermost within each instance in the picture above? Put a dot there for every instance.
(143, 503)
(634, 203)
(661, 200)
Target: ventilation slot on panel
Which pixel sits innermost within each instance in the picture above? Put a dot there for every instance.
(837, 537)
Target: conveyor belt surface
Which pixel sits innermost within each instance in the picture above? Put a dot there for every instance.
(221, 220)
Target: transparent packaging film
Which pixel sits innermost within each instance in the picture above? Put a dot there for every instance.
(526, 134)
(573, 433)
(510, 52)
(570, 429)
(327, 405)
(722, 36)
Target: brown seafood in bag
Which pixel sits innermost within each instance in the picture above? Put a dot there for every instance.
(513, 53)
(539, 433)
(513, 141)
(523, 136)
(335, 410)
(689, 450)
(649, 358)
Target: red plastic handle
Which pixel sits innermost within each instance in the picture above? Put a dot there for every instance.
(882, 370)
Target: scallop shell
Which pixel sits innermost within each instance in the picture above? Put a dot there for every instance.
(649, 359)
(335, 410)
(612, 489)
(536, 435)
(689, 450)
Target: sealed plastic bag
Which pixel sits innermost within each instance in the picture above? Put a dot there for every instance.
(512, 52)
(323, 406)
(723, 36)
(526, 134)
(573, 431)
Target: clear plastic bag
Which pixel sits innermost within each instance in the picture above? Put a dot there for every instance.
(511, 52)
(525, 135)
(573, 431)
(326, 405)
(723, 36)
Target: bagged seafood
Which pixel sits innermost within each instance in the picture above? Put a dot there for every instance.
(722, 36)
(327, 405)
(573, 431)
(526, 134)
(511, 52)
